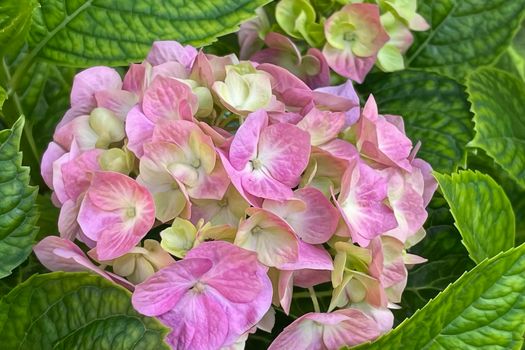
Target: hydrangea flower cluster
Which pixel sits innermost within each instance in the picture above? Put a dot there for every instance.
(353, 37)
(258, 183)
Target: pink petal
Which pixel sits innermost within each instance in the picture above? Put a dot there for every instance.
(323, 77)
(381, 140)
(52, 153)
(287, 87)
(59, 254)
(119, 102)
(284, 150)
(77, 129)
(91, 80)
(244, 145)
(236, 179)
(315, 222)
(273, 240)
(164, 51)
(162, 291)
(67, 220)
(136, 78)
(124, 210)
(259, 184)
(168, 98)
(322, 126)
(363, 192)
(235, 272)
(200, 325)
(307, 278)
(310, 257)
(428, 178)
(331, 331)
(139, 130)
(341, 97)
(344, 62)
(76, 173)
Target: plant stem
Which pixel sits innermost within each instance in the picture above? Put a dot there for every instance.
(28, 134)
(313, 296)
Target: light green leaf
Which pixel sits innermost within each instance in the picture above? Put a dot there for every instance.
(85, 33)
(484, 309)
(435, 111)
(3, 97)
(18, 212)
(498, 104)
(464, 34)
(482, 212)
(15, 20)
(75, 311)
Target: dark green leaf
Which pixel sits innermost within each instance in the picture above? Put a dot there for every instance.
(85, 33)
(15, 21)
(464, 34)
(75, 311)
(18, 212)
(498, 104)
(435, 110)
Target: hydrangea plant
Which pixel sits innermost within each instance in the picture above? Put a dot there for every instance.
(312, 180)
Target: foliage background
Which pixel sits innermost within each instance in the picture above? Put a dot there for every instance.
(462, 95)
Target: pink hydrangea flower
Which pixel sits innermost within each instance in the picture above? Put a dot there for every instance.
(312, 68)
(361, 202)
(382, 138)
(269, 236)
(209, 299)
(335, 96)
(165, 99)
(59, 254)
(124, 213)
(329, 331)
(267, 160)
(354, 35)
(310, 214)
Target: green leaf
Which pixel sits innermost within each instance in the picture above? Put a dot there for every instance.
(48, 220)
(3, 97)
(482, 212)
(479, 160)
(15, 20)
(18, 212)
(464, 34)
(25, 270)
(435, 111)
(513, 60)
(484, 309)
(498, 104)
(75, 311)
(85, 33)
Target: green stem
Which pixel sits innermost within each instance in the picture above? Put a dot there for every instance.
(28, 133)
(315, 302)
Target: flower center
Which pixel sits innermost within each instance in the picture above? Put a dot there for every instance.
(131, 212)
(196, 163)
(198, 287)
(349, 36)
(256, 164)
(256, 230)
(223, 202)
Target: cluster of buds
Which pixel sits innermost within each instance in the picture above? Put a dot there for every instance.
(352, 38)
(257, 183)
